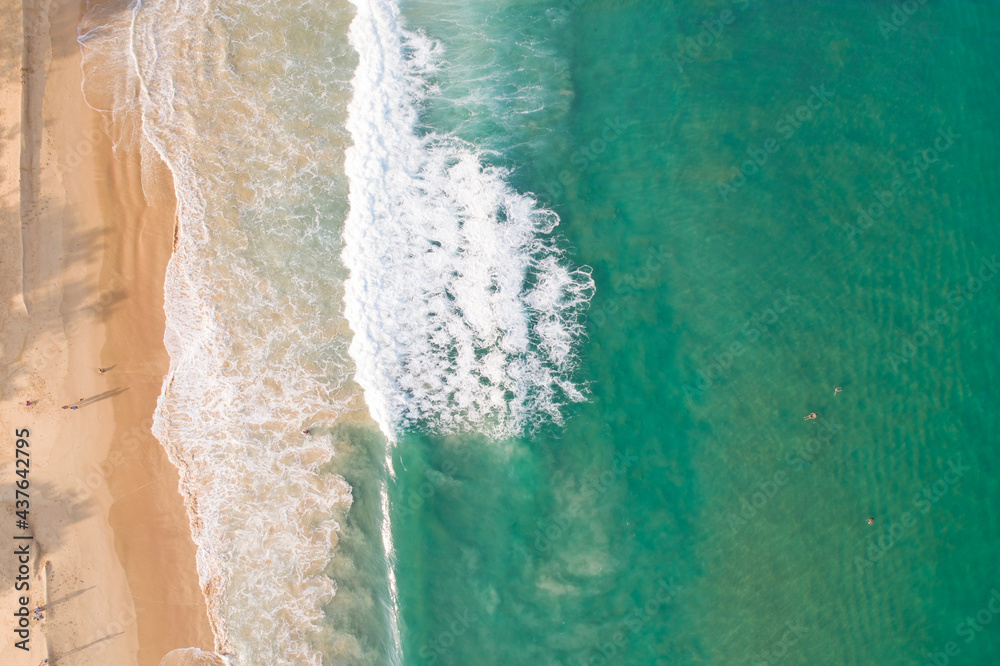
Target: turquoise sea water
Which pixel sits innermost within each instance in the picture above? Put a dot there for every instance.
(687, 513)
(582, 444)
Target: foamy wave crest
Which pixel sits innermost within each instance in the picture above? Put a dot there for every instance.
(466, 314)
(258, 347)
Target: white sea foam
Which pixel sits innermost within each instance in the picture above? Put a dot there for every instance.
(464, 309)
(252, 296)
(395, 656)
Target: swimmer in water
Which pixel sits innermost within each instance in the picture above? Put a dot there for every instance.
(810, 417)
(871, 521)
(836, 390)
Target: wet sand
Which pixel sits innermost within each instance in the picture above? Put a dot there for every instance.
(82, 257)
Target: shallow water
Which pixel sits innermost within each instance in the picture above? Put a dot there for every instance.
(586, 442)
(737, 533)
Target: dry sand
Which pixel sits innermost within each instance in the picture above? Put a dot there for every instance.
(82, 259)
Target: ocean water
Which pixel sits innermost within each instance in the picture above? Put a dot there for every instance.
(553, 286)
(234, 99)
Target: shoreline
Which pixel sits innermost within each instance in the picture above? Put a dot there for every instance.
(82, 261)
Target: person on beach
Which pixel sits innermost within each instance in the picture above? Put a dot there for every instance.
(306, 431)
(102, 370)
(27, 403)
(810, 417)
(72, 407)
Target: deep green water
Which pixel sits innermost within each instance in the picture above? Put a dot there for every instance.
(633, 535)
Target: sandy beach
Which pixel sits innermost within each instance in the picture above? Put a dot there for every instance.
(82, 258)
